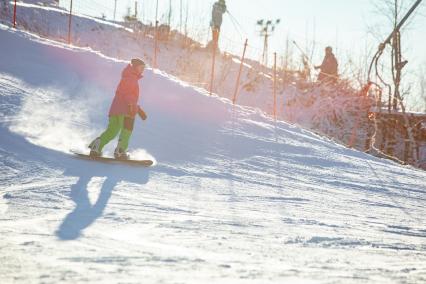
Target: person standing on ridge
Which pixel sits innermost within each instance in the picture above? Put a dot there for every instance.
(219, 8)
(122, 112)
(328, 67)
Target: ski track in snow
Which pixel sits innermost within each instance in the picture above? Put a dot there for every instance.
(234, 197)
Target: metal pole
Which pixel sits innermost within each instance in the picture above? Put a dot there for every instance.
(239, 73)
(115, 9)
(156, 12)
(14, 15)
(398, 27)
(389, 38)
(69, 24)
(170, 13)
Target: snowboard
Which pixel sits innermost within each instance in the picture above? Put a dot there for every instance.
(142, 163)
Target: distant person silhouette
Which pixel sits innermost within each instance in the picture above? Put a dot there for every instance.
(329, 66)
(219, 8)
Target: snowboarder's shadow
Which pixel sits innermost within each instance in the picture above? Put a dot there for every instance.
(85, 213)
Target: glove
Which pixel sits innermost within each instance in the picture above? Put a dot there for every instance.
(133, 110)
(142, 114)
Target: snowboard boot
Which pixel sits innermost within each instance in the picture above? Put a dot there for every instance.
(120, 154)
(94, 148)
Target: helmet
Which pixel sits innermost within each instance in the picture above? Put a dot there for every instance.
(137, 62)
(328, 49)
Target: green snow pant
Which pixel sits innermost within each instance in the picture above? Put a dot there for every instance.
(118, 124)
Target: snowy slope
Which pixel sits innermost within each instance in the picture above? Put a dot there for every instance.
(234, 196)
(335, 111)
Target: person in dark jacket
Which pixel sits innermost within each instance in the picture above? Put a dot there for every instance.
(329, 66)
(122, 112)
(219, 8)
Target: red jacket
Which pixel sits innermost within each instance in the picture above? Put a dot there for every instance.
(127, 92)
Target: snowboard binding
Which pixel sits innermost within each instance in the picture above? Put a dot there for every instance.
(121, 154)
(94, 148)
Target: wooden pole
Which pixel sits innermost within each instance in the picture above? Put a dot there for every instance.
(14, 15)
(69, 23)
(156, 37)
(215, 44)
(275, 85)
(180, 24)
(239, 73)
(186, 18)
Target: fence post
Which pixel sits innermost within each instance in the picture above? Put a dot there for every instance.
(14, 15)
(155, 45)
(275, 85)
(239, 73)
(154, 63)
(215, 45)
(69, 23)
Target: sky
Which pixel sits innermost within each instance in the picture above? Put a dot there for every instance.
(312, 24)
(342, 24)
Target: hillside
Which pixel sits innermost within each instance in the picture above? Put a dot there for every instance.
(340, 112)
(234, 197)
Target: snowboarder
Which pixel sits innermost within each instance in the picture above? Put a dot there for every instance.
(328, 67)
(219, 8)
(122, 112)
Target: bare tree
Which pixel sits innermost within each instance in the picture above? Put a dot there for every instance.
(393, 11)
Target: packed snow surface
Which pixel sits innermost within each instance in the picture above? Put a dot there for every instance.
(234, 197)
